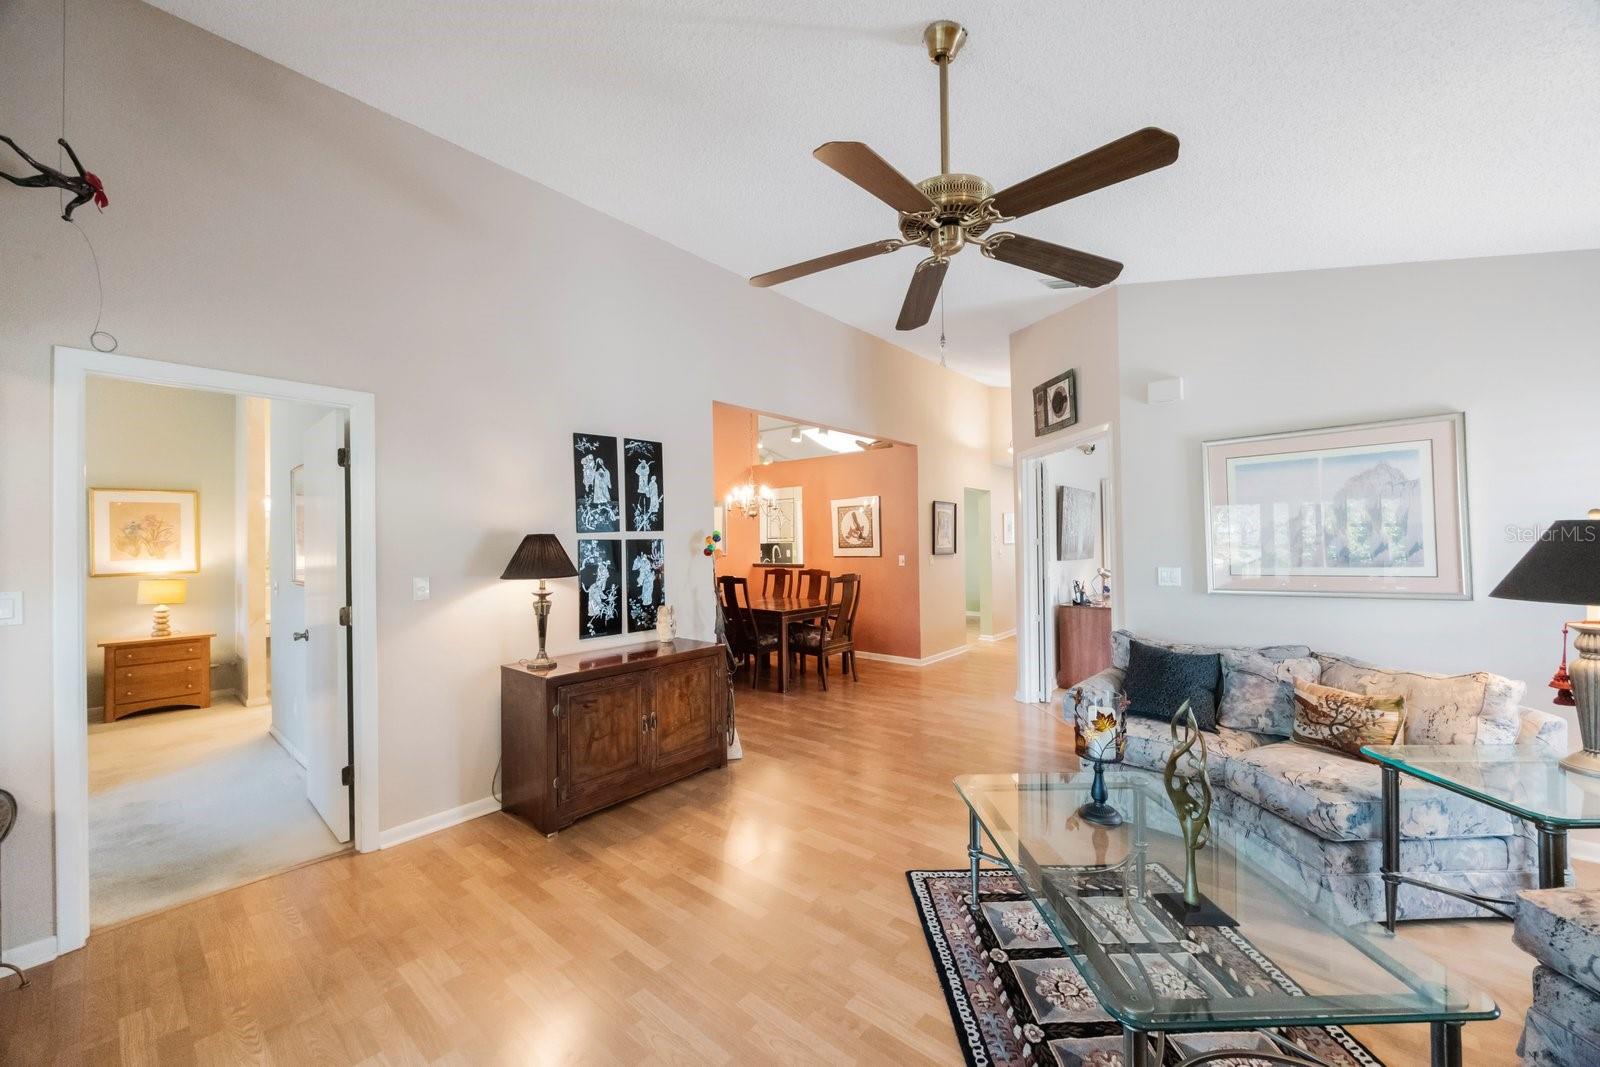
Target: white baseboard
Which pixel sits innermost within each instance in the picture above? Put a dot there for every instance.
(33, 954)
(1003, 635)
(907, 661)
(1588, 851)
(294, 753)
(430, 824)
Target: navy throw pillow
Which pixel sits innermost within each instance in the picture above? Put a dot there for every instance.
(1159, 680)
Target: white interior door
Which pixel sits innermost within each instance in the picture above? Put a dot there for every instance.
(327, 654)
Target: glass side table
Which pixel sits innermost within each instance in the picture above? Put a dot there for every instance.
(1526, 781)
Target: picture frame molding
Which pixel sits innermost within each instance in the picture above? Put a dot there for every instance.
(1458, 421)
(193, 494)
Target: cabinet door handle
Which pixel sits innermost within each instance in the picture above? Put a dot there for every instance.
(644, 723)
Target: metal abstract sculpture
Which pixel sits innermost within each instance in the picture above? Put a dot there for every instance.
(84, 188)
(1189, 789)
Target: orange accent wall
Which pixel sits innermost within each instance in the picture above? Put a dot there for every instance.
(889, 621)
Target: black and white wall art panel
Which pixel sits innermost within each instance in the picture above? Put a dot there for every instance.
(646, 481)
(594, 483)
(599, 587)
(646, 581)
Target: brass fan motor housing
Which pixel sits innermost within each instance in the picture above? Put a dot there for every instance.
(956, 201)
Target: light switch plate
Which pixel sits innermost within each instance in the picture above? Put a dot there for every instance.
(1169, 576)
(419, 589)
(10, 609)
(902, 559)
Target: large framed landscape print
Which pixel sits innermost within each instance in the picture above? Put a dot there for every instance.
(1376, 510)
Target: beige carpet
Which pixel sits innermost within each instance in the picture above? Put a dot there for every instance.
(187, 803)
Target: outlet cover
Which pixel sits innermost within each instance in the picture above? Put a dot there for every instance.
(419, 589)
(1169, 576)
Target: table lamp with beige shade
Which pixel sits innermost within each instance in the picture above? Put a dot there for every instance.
(162, 592)
(1563, 567)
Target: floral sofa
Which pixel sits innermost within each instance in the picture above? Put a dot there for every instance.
(1561, 929)
(1314, 816)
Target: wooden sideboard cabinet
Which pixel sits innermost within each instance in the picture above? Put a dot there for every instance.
(1083, 642)
(157, 672)
(600, 728)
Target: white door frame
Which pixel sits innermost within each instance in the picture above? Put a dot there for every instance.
(1032, 611)
(70, 537)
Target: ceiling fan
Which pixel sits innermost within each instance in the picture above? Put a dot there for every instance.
(949, 211)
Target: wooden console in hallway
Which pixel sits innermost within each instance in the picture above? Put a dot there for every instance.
(157, 672)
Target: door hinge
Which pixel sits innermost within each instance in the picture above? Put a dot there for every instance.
(344, 457)
(347, 776)
(344, 616)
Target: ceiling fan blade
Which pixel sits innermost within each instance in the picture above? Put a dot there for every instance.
(923, 294)
(1068, 264)
(1127, 157)
(872, 172)
(836, 259)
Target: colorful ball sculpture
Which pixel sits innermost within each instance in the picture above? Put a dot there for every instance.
(712, 542)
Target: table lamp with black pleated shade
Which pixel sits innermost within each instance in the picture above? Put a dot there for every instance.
(541, 557)
(1563, 567)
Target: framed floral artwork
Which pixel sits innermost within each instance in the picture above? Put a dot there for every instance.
(297, 519)
(143, 531)
(1377, 510)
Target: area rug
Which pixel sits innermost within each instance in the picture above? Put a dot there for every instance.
(1017, 998)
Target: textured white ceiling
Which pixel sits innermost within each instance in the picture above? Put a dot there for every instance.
(1315, 134)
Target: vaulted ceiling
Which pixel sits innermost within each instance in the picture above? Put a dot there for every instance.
(1314, 134)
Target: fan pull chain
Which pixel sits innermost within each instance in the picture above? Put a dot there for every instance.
(943, 362)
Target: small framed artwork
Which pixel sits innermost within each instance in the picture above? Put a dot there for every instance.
(599, 588)
(944, 528)
(143, 531)
(594, 482)
(1055, 404)
(1008, 527)
(857, 529)
(1375, 510)
(1075, 523)
(646, 581)
(297, 517)
(642, 469)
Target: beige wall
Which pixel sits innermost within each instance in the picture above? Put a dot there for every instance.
(1511, 341)
(152, 437)
(265, 224)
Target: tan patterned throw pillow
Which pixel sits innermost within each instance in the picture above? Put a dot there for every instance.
(1333, 718)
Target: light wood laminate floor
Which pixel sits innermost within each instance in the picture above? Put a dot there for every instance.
(755, 915)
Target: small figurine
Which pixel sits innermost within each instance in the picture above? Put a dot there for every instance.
(666, 627)
(84, 188)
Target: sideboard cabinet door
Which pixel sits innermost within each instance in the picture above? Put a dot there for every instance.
(687, 722)
(602, 744)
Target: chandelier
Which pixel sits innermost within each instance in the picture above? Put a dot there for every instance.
(750, 498)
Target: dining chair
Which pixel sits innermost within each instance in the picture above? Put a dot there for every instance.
(744, 633)
(834, 635)
(775, 582)
(811, 582)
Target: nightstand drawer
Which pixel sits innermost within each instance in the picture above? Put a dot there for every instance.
(154, 680)
(166, 652)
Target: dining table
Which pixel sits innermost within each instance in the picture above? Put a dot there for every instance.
(781, 611)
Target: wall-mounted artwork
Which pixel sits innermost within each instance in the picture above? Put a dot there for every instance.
(646, 478)
(1055, 404)
(594, 482)
(1378, 509)
(646, 581)
(1008, 527)
(143, 531)
(857, 527)
(599, 588)
(297, 521)
(1076, 520)
(944, 528)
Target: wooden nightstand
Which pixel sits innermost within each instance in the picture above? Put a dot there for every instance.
(157, 672)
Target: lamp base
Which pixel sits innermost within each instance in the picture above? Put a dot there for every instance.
(1585, 672)
(160, 625)
(541, 617)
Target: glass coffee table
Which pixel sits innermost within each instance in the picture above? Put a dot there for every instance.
(1264, 957)
(1526, 781)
